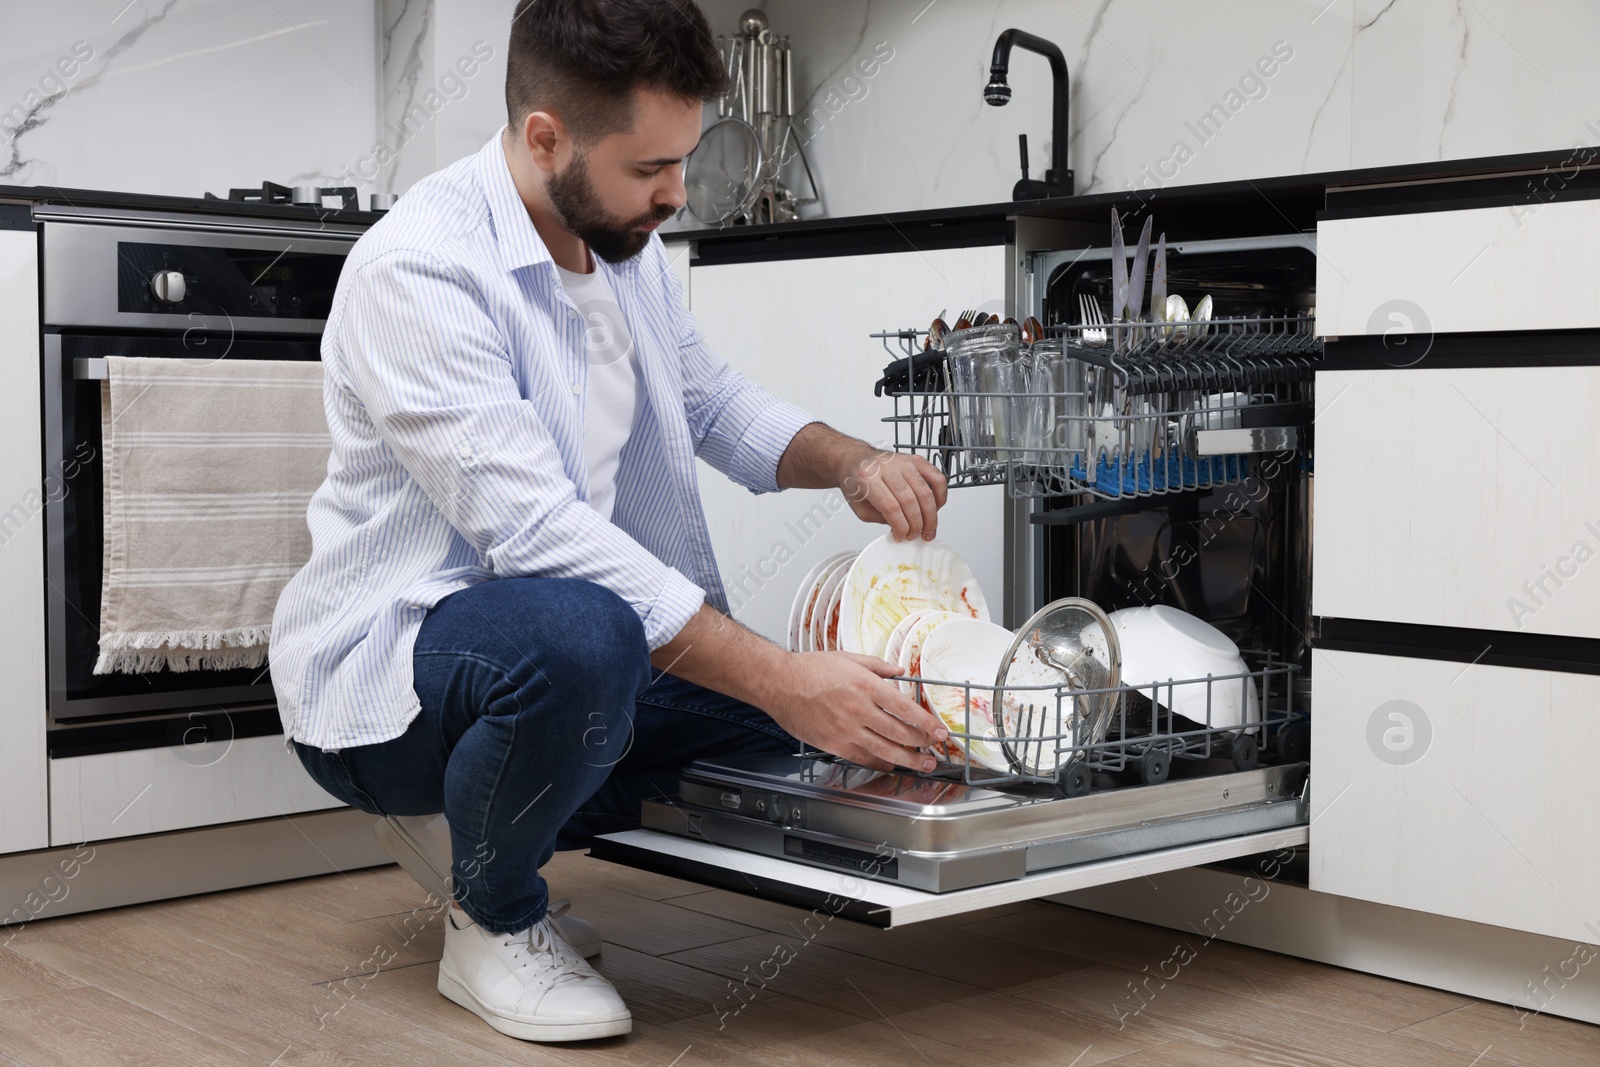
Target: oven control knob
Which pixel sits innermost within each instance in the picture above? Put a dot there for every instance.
(168, 286)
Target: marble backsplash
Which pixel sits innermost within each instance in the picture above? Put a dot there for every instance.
(1175, 92)
(184, 96)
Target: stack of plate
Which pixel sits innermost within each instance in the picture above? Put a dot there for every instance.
(888, 601)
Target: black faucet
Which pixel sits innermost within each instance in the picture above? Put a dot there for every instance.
(1058, 179)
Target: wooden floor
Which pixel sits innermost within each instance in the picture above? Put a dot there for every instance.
(341, 970)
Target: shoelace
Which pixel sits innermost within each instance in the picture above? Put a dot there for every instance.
(541, 939)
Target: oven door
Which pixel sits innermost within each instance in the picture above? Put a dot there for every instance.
(109, 712)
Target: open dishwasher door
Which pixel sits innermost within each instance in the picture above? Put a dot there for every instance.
(890, 849)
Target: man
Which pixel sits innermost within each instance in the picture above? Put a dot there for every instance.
(511, 613)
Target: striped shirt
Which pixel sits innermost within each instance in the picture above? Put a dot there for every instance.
(453, 377)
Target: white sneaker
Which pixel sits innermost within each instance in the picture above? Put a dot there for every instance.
(531, 984)
(581, 934)
(420, 844)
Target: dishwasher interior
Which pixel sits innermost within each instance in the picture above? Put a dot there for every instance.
(1172, 467)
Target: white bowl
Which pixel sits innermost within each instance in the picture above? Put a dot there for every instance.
(1161, 644)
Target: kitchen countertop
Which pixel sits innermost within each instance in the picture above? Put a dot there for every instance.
(1189, 212)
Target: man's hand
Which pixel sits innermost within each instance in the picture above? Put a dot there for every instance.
(840, 702)
(903, 492)
(836, 701)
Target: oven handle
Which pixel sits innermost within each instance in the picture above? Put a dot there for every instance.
(89, 370)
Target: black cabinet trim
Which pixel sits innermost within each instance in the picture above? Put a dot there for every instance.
(17, 217)
(1532, 348)
(1574, 178)
(882, 236)
(1496, 648)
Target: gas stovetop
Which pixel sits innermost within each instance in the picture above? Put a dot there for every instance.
(268, 201)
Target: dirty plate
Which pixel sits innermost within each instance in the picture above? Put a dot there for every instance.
(805, 601)
(893, 579)
(967, 652)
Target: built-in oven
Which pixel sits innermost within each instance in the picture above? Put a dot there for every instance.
(157, 287)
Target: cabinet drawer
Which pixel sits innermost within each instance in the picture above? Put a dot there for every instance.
(1461, 498)
(1458, 790)
(1495, 268)
(149, 790)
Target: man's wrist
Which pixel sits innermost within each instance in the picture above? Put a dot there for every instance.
(855, 457)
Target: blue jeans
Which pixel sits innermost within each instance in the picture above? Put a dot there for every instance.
(542, 725)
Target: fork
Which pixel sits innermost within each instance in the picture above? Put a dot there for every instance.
(1089, 311)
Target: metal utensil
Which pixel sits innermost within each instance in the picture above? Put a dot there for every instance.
(1089, 313)
(1119, 279)
(1141, 263)
(1158, 288)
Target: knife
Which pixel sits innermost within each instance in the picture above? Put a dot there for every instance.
(1119, 279)
(1141, 262)
(1158, 288)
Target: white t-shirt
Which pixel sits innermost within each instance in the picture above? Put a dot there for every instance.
(614, 394)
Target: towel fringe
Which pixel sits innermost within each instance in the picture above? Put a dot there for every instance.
(183, 650)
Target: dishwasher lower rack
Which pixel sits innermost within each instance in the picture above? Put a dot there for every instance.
(940, 835)
(1066, 738)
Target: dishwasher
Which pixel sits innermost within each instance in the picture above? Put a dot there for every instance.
(1175, 472)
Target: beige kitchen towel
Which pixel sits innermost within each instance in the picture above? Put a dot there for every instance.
(208, 468)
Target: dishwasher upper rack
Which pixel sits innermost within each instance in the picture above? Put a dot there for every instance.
(1160, 416)
(1063, 736)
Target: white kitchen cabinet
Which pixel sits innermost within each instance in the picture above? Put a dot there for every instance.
(1459, 497)
(24, 818)
(1459, 790)
(799, 328)
(1525, 266)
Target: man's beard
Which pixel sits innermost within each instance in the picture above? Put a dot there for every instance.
(573, 197)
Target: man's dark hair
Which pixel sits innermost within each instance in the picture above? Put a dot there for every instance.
(582, 60)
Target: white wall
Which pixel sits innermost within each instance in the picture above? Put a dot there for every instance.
(183, 97)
